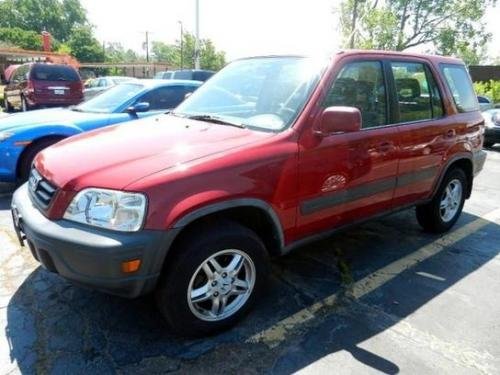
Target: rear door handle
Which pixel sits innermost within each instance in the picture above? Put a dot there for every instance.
(384, 147)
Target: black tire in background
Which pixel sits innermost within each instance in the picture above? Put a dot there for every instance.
(488, 144)
(181, 268)
(28, 156)
(430, 215)
(6, 105)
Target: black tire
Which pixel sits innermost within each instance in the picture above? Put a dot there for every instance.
(190, 253)
(430, 215)
(28, 156)
(488, 144)
(6, 105)
(24, 105)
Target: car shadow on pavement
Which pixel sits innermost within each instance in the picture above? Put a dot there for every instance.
(55, 327)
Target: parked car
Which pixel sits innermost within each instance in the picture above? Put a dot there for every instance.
(191, 74)
(269, 154)
(492, 131)
(96, 86)
(35, 85)
(485, 103)
(23, 135)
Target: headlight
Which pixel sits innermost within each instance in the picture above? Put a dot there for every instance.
(110, 209)
(5, 135)
(495, 119)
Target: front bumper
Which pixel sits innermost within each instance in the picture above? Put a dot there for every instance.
(89, 256)
(479, 158)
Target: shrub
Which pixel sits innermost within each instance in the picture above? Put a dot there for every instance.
(491, 89)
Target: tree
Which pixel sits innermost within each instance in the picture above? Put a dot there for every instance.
(84, 46)
(170, 54)
(115, 53)
(21, 38)
(444, 26)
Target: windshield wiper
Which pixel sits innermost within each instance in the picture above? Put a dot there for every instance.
(216, 120)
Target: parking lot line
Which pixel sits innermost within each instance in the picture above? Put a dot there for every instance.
(277, 333)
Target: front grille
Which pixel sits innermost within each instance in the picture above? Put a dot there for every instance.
(40, 189)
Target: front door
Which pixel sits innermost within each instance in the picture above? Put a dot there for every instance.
(348, 177)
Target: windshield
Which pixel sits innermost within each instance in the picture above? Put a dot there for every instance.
(111, 100)
(264, 93)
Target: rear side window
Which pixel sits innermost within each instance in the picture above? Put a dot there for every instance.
(460, 85)
(416, 92)
(361, 85)
(54, 73)
(183, 74)
(164, 98)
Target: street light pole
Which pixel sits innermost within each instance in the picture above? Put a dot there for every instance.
(197, 34)
(147, 46)
(182, 44)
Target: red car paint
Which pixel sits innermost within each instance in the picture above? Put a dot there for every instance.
(182, 165)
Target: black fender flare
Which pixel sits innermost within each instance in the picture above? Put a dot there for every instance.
(234, 203)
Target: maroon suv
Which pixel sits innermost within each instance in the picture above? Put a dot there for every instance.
(36, 85)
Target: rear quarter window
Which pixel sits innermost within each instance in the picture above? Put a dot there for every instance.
(460, 85)
(54, 73)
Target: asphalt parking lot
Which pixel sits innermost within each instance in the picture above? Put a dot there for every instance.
(383, 297)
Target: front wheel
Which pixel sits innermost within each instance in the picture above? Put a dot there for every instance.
(443, 211)
(213, 280)
(24, 104)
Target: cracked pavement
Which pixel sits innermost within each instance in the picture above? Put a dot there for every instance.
(435, 314)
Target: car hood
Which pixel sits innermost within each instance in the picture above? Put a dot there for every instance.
(54, 116)
(116, 156)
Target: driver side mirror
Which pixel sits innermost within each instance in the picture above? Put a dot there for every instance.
(339, 120)
(137, 108)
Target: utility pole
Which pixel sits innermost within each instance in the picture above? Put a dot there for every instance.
(147, 46)
(197, 35)
(182, 44)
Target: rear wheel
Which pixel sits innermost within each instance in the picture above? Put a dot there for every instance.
(28, 156)
(6, 105)
(213, 280)
(24, 104)
(444, 210)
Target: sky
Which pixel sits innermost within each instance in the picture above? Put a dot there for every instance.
(240, 28)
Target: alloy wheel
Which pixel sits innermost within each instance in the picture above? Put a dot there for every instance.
(221, 285)
(451, 200)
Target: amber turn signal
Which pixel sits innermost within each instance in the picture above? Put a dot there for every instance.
(131, 265)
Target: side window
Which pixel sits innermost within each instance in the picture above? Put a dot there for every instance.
(413, 91)
(361, 85)
(164, 97)
(417, 92)
(460, 85)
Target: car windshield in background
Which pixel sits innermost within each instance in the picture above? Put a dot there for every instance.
(263, 93)
(111, 100)
(47, 72)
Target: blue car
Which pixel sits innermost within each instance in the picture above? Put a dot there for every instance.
(23, 135)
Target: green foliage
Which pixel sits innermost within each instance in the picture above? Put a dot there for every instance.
(451, 27)
(115, 53)
(170, 54)
(491, 89)
(20, 38)
(84, 46)
(58, 17)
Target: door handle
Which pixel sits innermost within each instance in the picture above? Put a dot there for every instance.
(384, 147)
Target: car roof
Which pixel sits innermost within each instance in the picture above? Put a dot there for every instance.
(354, 52)
(166, 82)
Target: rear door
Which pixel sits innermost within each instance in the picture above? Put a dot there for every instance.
(425, 133)
(348, 177)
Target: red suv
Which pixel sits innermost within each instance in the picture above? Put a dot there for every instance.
(42, 85)
(269, 154)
